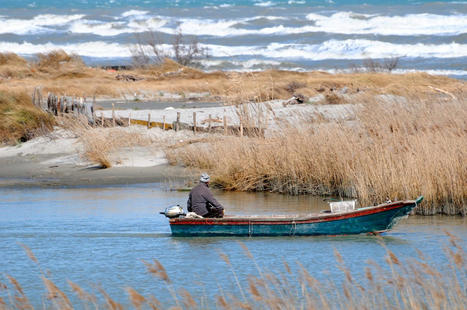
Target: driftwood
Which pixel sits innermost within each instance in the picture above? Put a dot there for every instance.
(296, 99)
(128, 77)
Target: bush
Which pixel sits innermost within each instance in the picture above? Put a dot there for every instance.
(55, 59)
(149, 50)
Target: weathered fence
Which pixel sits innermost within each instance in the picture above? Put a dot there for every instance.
(82, 107)
(59, 105)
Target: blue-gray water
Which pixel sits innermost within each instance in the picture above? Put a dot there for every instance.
(328, 35)
(100, 235)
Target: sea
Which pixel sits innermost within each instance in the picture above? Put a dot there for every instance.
(249, 35)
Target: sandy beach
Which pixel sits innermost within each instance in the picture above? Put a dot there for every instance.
(57, 160)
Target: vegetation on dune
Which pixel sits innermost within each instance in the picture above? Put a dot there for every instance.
(11, 59)
(56, 59)
(20, 120)
(61, 73)
(398, 283)
(395, 150)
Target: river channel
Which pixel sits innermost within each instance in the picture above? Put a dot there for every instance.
(98, 236)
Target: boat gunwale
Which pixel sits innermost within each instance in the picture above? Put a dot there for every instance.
(312, 218)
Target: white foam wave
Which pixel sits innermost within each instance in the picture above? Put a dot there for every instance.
(264, 4)
(332, 49)
(91, 49)
(411, 24)
(256, 64)
(38, 24)
(349, 23)
(342, 22)
(134, 13)
(433, 72)
(116, 27)
(343, 49)
(247, 64)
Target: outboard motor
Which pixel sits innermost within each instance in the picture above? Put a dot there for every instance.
(173, 212)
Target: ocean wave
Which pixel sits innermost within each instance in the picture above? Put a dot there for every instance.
(38, 24)
(264, 4)
(411, 24)
(96, 49)
(134, 13)
(137, 21)
(341, 23)
(342, 49)
(362, 49)
(258, 65)
(116, 27)
(332, 49)
(246, 64)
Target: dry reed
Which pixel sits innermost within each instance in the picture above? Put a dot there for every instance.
(398, 283)
(396, 150)
(101, 144)
(20, 120)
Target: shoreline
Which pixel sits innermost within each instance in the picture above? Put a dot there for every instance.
(27, 172)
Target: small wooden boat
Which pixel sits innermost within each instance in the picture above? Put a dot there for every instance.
(370, 220)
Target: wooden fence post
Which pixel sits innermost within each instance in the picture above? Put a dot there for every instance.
(209, 123)
(177, 125)
(113, 115)
(163, 122)
(129, 119)
(34, 96)
(225, 124)
(58, 106)
(241, 129)
(102, 118)
(149, 120)
(194, 122)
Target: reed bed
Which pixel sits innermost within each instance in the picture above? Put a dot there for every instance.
(396, 283)
(395, 150)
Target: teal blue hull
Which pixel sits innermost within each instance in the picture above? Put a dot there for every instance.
(366, 220)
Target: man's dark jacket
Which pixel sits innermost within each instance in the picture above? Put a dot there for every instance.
(199, 197)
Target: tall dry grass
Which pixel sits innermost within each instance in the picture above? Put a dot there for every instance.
(396, 150)
(397, 283)
(20, 120)
(100, 144)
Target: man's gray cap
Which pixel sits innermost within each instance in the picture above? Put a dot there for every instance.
(204, 178)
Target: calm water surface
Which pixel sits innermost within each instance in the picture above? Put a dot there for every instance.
(99, 236)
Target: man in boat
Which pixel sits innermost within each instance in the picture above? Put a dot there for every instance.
(202, 202)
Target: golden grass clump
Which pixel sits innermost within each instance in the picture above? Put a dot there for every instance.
(11, 59)
(20, 120)
(393, 150)
(55, 59)
(13, 67)
(101, 143)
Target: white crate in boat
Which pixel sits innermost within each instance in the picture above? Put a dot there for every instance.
(342, 206)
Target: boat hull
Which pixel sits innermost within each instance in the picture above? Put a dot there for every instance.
(367, 220)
